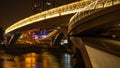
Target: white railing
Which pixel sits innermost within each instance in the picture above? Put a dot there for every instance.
(94, 7)
(62, 10)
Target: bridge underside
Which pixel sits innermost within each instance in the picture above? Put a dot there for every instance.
(102, 19)
(46, 24)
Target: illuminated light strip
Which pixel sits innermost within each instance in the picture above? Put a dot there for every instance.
(81, 14)
(62, 10)
(73, 19)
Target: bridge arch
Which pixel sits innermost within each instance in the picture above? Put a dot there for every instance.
(45, 16)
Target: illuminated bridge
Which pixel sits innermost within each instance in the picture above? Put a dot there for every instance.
(93, 29)
(50, 18)
(54, 18)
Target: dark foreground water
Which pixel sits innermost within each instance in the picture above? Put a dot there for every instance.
(35, 60)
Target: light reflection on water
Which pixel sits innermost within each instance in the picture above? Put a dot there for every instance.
(66, 61)
(33, 60)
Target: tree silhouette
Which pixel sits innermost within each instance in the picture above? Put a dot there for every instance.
(1, 34)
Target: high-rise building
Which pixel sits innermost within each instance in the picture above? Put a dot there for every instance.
(42, 5)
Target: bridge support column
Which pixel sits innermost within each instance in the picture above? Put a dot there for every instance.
(52, 41)
(80, 54)
(57, 39)
(64, 29)
(13, 39)
(7, 39)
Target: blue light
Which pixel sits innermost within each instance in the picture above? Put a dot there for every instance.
(36, 36)
(43, 36)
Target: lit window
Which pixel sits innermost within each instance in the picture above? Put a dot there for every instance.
(48, 3)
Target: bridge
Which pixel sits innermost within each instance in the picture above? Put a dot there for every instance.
(54, 17)
(92, 29)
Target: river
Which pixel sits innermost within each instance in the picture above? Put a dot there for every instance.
(35, 60)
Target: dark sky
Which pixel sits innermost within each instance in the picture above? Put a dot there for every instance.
(12, 11)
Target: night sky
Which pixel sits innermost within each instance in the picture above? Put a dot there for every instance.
(12, 11)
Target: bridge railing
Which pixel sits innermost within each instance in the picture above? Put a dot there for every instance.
(62, 10)
(95, 6)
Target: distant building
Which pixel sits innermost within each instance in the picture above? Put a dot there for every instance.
(42, 5)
